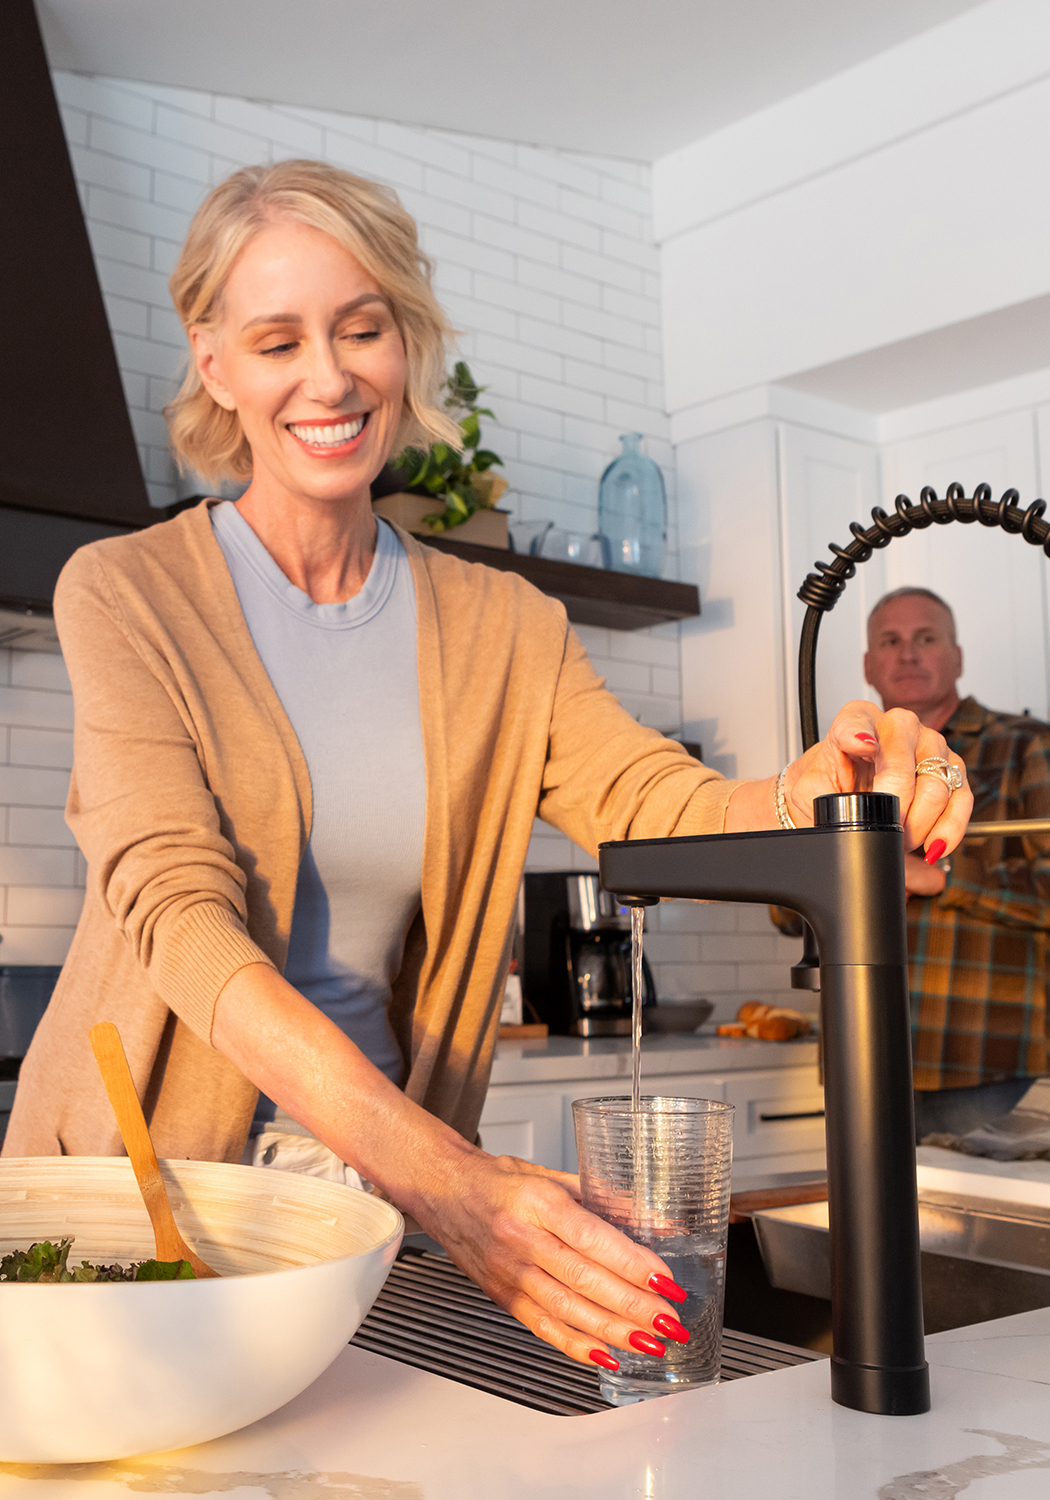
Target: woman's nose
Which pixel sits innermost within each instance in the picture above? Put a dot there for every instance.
(326, 380)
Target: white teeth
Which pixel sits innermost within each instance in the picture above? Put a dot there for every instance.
(327, 437)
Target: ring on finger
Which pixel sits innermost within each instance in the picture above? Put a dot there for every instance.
(935, 765)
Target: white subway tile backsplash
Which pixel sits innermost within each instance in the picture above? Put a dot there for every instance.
(436, 212)
(560, 283)
(41, 710)
(517, 240)
(304, 137)
(422, 147)
(468, 252)
(119, 244)
(372, 161)
(567, 399)
(92, 166)
(137, 282)
(524, 186)
(600, 213)
(148, 149)
(39, 747)
(108, 207)
(100, 99)
(559, 226)
(178, 192)
(206, 135)
(604, 325)
(47, 866)
(512, 355)
(468, 193)
(37, 669)
(594, 266)
(127, 317)
(39, 827)
(33, 786)
(35, 945)
(43, 906)
(560, 167)
(523, 299)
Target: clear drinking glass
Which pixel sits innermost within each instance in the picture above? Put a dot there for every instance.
(661, 1175)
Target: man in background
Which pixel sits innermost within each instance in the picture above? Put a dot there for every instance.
(978, 932)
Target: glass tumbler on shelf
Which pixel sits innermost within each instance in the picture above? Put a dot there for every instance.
(661, 1175)
(632, 510)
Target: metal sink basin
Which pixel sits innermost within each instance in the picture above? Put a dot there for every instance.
(980, 1259)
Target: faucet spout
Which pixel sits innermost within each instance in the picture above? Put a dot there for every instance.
(845, 876)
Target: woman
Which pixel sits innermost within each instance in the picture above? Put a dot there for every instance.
(308, 756)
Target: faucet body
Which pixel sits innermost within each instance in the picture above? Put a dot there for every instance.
(845, 876)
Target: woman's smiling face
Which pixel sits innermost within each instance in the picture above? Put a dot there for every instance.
(307, 352)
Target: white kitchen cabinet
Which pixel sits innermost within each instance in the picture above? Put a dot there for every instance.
(523, 1122)
(778, 1127)
(777, 1112)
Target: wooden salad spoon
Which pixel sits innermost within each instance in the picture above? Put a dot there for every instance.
(134, 1132)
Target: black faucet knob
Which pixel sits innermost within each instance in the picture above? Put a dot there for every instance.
(857, 810)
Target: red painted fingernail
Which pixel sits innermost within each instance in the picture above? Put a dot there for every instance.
(605, 1360)
(935, 851)
(671, 1328)
(667, 1288)
(646, 1344)
(868, 739)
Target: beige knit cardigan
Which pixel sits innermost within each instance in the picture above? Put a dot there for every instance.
(190, 799)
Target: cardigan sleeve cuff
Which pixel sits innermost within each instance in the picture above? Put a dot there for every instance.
(706, 809)
(206, 948)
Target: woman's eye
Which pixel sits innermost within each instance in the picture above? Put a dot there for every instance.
(278, 348)
(362, 335)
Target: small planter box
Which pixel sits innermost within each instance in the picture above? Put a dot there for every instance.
(486, 528)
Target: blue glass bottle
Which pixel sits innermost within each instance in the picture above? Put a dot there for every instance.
(632, 511)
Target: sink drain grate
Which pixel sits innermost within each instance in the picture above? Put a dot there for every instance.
(433, 1317)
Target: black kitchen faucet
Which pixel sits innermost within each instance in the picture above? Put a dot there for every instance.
(845, 876)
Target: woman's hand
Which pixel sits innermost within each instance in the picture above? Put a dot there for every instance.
(868, 750)
(519, 1231)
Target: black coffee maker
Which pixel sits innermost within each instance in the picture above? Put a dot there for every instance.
(577, 956)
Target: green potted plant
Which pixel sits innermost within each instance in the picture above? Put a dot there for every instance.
(462, 481)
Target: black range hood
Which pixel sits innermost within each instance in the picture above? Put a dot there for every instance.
(69, 466)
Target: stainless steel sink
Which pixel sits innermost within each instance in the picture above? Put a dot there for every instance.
(980, 1259)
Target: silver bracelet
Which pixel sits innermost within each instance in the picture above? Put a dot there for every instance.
(784, 818)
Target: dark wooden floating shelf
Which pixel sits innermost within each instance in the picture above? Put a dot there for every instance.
(592, 596)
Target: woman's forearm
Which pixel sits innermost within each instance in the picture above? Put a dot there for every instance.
(301, 1059)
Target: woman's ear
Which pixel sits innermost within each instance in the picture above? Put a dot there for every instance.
(204, 343)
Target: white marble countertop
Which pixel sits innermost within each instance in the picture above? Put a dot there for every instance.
(370, 1429)
(560, 1059)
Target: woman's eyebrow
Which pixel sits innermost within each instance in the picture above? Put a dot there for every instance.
(340, 312)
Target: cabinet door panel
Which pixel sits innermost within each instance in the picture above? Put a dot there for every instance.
(776, 1112)
(525, 1123)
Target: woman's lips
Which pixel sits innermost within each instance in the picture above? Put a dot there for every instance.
(330, 439)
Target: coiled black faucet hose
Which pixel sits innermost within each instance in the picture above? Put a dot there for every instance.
(821, 589)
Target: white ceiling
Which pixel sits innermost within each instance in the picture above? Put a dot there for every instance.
(601, 76)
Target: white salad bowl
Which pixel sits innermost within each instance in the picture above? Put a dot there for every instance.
(93, 1371)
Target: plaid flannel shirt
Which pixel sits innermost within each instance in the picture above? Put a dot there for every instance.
(978, 951)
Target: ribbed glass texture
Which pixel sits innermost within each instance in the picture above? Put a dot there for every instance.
(632, 511)
(662, 1176)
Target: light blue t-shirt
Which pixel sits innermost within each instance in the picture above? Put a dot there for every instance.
(347, 678)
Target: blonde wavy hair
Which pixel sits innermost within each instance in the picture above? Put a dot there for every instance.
(365, 218)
